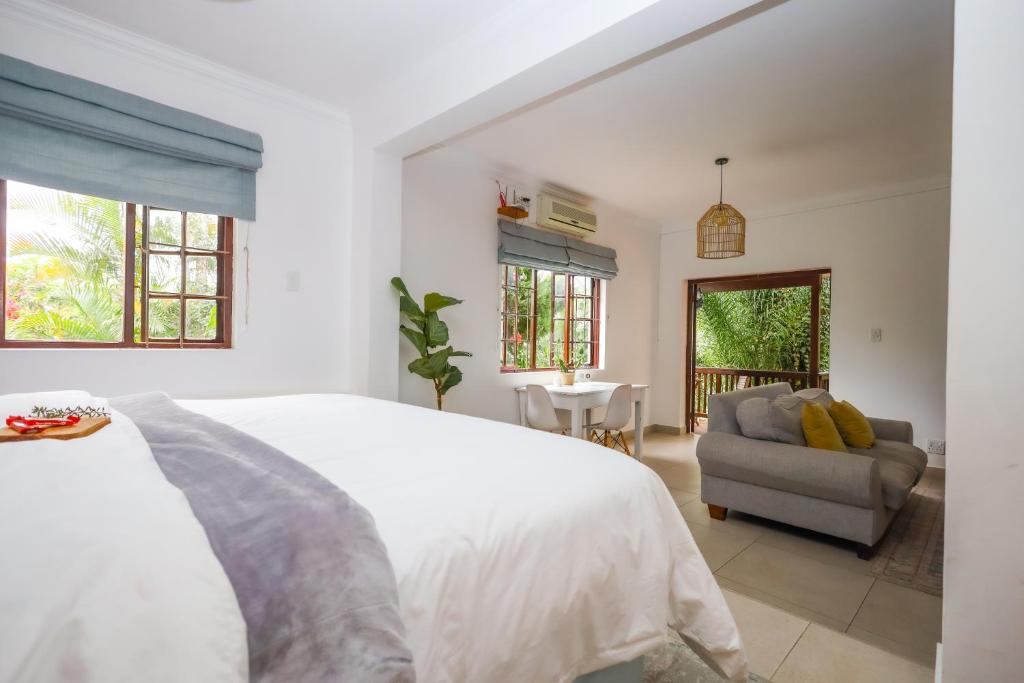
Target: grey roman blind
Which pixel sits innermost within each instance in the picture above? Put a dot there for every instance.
(71, 134)
(521, 245)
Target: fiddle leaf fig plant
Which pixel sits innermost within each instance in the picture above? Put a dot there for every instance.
(427, 331)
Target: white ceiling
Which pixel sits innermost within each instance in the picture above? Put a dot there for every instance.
(812, 101)
(333, 50)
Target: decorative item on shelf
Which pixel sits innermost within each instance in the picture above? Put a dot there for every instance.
(566, 375)
(722, 230)
(515, 207)
(427, 332)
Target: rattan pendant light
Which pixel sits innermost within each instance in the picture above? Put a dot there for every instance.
(722, 230)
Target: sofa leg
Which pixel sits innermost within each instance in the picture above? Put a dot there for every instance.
(717, 512)
(866, 552)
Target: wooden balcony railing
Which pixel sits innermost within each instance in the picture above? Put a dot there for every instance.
(707, 381)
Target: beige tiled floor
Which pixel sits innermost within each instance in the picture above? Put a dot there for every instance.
(821, 588)
(822, 654)
(768, 633)
(910, 619)
(808, 609)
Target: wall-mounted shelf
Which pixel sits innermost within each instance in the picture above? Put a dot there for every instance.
(514, 212)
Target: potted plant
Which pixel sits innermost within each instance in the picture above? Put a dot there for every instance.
(566, 376)
(428, 331)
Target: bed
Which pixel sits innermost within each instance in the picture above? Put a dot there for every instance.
(518, 555)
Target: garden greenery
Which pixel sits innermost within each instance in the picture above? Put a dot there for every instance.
(761, 329)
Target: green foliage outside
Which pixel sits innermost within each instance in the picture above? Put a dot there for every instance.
(522, 278)
(165, 275)
(550, 340)
(761, 329)
(65, 272)
(66, 269)
(427, 332)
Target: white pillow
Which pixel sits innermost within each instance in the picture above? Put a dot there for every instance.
(819, 396)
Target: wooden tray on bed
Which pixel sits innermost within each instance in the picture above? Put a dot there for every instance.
(85, 427)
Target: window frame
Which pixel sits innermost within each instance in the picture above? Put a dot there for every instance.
(136, 254)
(570, 297)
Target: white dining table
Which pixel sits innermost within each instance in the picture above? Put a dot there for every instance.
(581, 397)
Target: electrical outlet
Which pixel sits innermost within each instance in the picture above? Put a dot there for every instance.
(876, 334)
(936, 447)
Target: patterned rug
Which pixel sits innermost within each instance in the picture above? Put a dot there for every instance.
(911, 554)
(674, 662)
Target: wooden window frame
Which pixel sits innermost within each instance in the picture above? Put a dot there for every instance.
(566, 323)
(137, 255)
(594, 297)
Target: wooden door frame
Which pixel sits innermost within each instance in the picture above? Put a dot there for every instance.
(728, 283)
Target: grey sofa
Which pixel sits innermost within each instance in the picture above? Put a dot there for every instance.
(851, 495)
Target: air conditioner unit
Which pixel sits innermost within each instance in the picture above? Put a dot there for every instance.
(559, 214)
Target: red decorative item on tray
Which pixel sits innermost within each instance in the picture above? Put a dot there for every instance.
(19, 428)
(34, 425)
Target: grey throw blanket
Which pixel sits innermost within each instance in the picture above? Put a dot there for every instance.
(310, 573)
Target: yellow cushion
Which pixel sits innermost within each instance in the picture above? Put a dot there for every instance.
(852, 425)
(819, 430)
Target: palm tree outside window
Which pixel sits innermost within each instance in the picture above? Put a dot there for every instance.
(92, 272)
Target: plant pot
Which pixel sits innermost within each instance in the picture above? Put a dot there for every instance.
(567, 379)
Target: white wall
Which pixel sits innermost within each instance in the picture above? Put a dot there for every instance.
(888, 259)
(449, 245)
(983, 606)
(284, 342)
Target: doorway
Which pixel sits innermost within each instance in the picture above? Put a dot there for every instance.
(749, 330)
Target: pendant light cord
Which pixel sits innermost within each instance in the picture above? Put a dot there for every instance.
(721, 182)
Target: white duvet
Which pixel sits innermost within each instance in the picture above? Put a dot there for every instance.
(520, 555)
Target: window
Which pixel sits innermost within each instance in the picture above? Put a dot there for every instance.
(67, 281)
(546, 316)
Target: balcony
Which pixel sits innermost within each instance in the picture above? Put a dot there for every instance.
(708, 381)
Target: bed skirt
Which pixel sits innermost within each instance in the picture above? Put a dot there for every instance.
(626, 672)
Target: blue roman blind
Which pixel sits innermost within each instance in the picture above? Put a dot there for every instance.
(71, 134)
(521, 245)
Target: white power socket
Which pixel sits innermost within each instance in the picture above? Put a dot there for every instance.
(936, 447)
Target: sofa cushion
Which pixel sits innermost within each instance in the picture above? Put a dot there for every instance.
(845, 478)
(819, 396)
(897, 480)
(852, 425)
(777, 419)
(892, 430)
(897, 451)
(819, 429)
(722, 407)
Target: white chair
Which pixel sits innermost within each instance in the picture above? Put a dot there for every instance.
(609, 430)
(540, 411)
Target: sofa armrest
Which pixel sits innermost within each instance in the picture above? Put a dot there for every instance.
(845, 478)
(892, 430)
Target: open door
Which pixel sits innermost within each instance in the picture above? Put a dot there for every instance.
(751, 330)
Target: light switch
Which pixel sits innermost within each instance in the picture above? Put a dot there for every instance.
(292, 281)
(876, 334)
